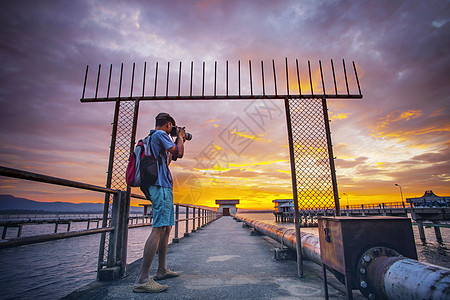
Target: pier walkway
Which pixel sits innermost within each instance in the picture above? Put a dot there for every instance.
(223, 261)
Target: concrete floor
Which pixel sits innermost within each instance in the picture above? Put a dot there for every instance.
(223, 261)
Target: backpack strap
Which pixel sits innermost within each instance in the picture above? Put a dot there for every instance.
(150, 146)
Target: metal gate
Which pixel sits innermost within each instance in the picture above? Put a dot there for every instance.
(314, 181)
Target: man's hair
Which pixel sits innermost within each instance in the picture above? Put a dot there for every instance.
(161, 122)
(164, 118)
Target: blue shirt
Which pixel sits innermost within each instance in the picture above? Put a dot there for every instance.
(160, 143)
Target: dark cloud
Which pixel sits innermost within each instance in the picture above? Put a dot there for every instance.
(441, 156)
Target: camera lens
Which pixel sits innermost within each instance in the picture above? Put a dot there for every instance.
(174, 133)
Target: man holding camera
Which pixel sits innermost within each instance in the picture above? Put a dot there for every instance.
(161, 196)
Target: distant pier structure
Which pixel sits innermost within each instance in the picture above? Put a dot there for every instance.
(284, 210)
(227, 207)
(429, 199)
(430, 210)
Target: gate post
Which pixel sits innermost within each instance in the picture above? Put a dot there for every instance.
(122, 232)
(294, 189)
(112, 271)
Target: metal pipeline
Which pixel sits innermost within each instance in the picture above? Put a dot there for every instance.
(310, 242)
(388, 277)
(404, 278)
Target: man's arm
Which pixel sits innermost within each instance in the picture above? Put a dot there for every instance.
(180, 144)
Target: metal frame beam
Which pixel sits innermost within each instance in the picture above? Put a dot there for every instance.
(221, 97)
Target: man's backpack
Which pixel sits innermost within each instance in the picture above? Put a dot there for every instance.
(142, 169)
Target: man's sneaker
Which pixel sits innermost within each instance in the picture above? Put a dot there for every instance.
(150, 287)
(169, 274)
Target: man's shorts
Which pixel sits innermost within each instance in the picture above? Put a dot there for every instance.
(162, 204)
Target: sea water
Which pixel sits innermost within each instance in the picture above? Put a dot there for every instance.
(54, 269)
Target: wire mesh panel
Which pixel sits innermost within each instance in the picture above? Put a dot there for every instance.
(120, 162)
(122, 149)
(312, 162)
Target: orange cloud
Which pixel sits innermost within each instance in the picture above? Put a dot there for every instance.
(244, 135)
(399, 116)
(334, 117)
(403, 134)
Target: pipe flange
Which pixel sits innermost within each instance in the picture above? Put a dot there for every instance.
(361, 270)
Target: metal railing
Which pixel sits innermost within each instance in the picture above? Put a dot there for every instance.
(20, 174)
(18, 221)
(375, 206)
(115, 264)
(308, 217)
(62, 216)
(204, 216)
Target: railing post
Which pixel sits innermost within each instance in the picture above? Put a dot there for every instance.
(112, 247)
(19, 232)
(177, 221)
(421, 231)
(437, 232)
(193, 219)
(198, 219)
(405, 209)
(5, 228)
(186, 233)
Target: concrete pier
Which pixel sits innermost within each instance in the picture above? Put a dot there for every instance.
(223, 261)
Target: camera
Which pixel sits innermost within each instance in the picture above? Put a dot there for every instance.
(174, 133)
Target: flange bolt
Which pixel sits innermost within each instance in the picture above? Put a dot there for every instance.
(363, 284)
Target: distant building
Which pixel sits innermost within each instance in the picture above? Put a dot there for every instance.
(284, 205)
(429, 199)
(227, 207)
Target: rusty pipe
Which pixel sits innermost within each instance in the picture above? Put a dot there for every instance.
(405, 278)
(390, 277)
(310, 242)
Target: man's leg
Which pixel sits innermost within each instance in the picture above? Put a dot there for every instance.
(162, 251)
(151, 245)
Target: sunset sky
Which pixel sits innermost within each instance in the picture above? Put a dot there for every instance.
(398, 133)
